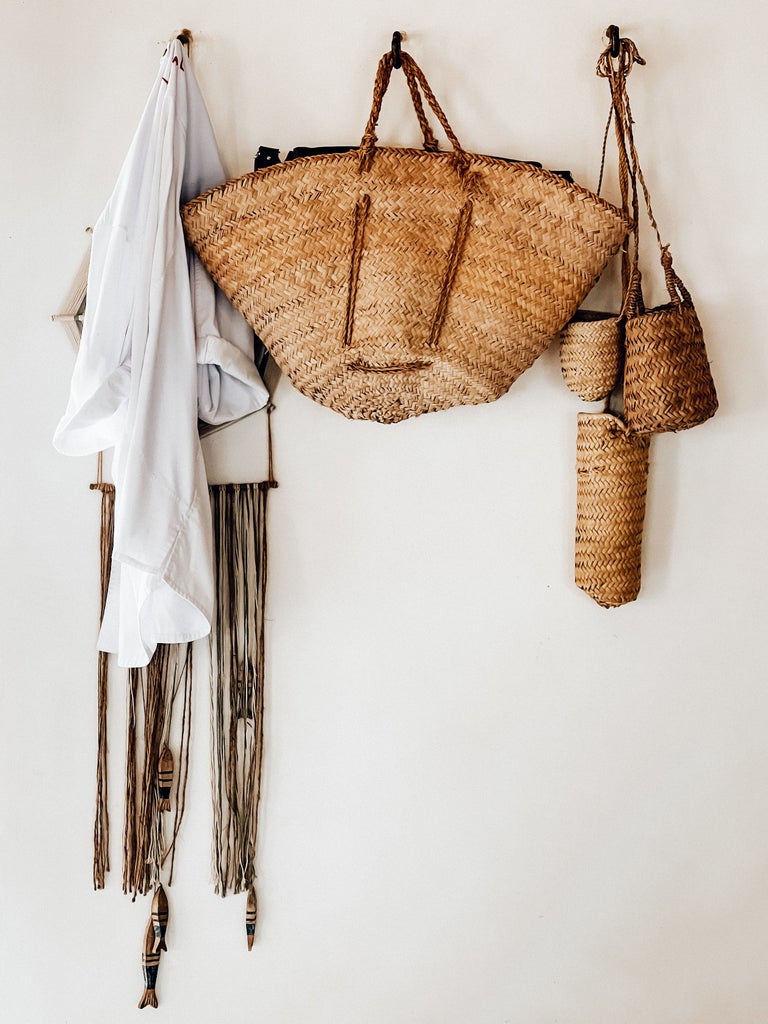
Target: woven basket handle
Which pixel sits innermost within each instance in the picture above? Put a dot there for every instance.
(630, 175)
(616, 70)
(677, 290)
(633, 300)
(416, 80)
(430, 142)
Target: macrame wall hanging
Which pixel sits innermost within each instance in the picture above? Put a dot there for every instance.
(158, 724)
(237, 681)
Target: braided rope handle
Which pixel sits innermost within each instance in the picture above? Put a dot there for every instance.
(630, 174)
(430, 142)
(416, 81)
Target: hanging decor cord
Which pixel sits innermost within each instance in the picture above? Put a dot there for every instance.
(238, 680)
(154, 694)
(101, 819)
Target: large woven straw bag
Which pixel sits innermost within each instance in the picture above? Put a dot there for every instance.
(590, 353)
(667, 379)
(611, 484)
(390, 282)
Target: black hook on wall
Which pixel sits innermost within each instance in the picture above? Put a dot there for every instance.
(397, 38)
(185, 37)
(613, 38)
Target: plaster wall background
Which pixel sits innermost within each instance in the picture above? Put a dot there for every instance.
(487, 800)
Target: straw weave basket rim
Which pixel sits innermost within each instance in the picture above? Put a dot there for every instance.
(521, 167)
(591, 316)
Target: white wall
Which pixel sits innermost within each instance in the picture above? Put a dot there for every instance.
(487, 800)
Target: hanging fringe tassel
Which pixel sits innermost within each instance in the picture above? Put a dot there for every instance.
(101, 819)
(130, 838)
(237, 684)
(153, 695)
(183, 682)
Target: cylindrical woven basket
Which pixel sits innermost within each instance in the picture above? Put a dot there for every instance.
(590, 353)
(391, 282)
(667, 380)
(611, 484)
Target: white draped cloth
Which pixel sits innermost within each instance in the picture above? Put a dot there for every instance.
(161, 346)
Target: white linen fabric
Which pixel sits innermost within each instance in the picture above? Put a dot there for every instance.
(161, 346)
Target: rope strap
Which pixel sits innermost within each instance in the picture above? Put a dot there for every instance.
(616, 71)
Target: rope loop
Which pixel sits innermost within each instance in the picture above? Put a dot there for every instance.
(628, 56)
(418, 86)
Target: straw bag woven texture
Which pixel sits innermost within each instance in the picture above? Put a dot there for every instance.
(590, 353)
(611, 483)
(391, 282)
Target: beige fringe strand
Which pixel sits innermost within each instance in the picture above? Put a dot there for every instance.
(101, 819)
(153, 695)
(237, 689)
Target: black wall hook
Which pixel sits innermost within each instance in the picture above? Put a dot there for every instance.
(613, 38)
(397, 38)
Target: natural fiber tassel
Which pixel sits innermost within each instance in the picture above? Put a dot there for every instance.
(237, 697)
(101, 818)
(154, 696)
(165, 779)
(150, 961)
(159, 919)
(250, 917)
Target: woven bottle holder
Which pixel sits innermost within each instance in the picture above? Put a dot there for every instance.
(611, 484)
(390, 282)
(668, 383)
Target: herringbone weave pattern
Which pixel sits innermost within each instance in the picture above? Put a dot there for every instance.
(611, 482)
(590, 353)
(667, 378)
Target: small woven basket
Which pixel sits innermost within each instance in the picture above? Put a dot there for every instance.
(667, 380)
(590, 353)
(611, 484)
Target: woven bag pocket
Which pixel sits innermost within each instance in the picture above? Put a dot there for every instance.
(667, 380)
(611, 484)
(590, 353)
